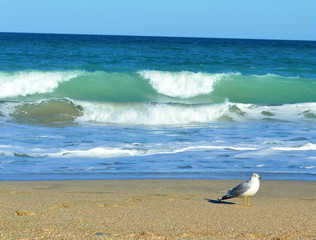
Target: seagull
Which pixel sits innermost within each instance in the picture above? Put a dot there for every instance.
(245, 189)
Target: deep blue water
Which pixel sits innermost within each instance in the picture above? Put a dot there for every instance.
(120, 107)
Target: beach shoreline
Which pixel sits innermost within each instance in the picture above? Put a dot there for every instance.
(154, 209)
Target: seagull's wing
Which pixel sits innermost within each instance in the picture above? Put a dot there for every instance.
(238, 190)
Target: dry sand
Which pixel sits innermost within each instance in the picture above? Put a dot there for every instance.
(155, 209)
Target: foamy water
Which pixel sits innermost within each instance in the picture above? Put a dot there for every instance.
(24, 83)
(182, 84)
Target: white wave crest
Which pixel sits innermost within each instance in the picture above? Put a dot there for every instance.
(305, 147)
(97, 152)
(106, 152)
(150, 114)
(182, 84)
(173, 114)
(24, 83)
(287, 112)
(141, 113)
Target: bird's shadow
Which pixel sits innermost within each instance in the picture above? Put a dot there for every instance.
(217, 202)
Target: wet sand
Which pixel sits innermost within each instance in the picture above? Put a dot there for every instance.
(155, 209)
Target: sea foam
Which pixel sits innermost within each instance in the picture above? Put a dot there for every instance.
(151, 113)
(183, 84)
(173, 114)
(305, 147)
(23, 83)
(107, 152)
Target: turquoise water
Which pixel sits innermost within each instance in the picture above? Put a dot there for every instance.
(117, 107)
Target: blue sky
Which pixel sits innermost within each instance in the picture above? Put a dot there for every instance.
(263, 19)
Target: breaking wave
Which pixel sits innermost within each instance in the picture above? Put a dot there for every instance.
(182, 87)
(151, 97)
(142, 113)
(24, 83)
(183, 84)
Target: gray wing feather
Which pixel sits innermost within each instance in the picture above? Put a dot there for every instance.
(238, 190)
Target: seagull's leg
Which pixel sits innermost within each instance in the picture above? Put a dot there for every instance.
(245, 201)
(248, 201)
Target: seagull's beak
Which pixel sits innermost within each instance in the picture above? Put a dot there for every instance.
(260, 177)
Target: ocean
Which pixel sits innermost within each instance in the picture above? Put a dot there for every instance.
(128, 107)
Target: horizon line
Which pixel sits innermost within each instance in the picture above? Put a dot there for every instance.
(159, 36)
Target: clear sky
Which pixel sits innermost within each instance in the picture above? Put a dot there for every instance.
(262, 19)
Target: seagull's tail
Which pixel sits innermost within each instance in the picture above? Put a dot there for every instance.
(223, 198)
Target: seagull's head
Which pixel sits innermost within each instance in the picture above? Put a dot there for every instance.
(255, 175)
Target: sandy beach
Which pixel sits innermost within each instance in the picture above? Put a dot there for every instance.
(155, 209)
